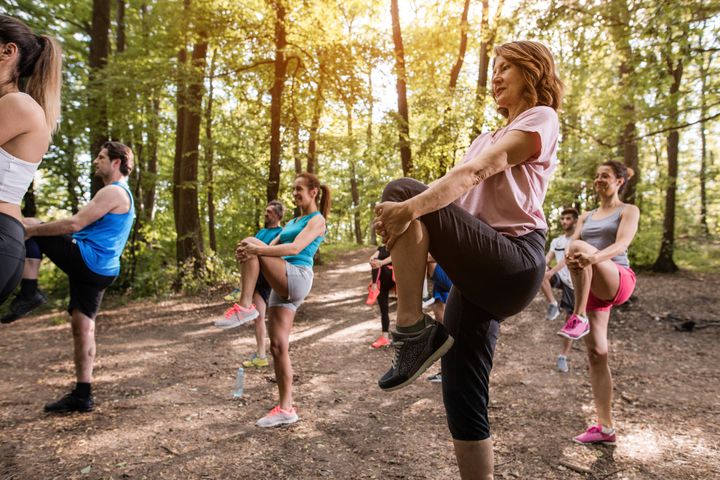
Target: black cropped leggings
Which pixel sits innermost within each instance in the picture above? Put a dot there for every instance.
(383, 300)
(12, 255)
(494, 276)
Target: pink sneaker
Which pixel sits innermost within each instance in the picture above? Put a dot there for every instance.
(576, 327)
(278, 416)
(594, 434)
(236, 316)
(381, 342)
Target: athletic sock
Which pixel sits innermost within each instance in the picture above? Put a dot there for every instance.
(553, 303)
(28, 287)
(82, 390)
(414, 328)
(562, 356)
(607, 430)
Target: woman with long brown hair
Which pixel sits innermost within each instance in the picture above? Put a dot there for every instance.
(286, 263)
(30, 79)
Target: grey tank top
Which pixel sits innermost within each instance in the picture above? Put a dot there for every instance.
(602, 233)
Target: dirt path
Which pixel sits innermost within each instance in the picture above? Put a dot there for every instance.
(164, 377)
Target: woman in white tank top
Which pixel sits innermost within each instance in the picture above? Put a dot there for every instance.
(598, 262)
(28, 118)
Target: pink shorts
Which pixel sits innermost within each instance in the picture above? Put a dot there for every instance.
(626, 288)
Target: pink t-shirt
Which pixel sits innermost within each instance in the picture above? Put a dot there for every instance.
(511, 201)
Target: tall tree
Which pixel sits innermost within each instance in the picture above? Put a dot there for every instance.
(318, 103)
(210, 158)
(488, 33)
(401, 88)
(276, 92)
(97, 100)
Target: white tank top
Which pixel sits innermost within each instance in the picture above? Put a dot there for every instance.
(15, 177)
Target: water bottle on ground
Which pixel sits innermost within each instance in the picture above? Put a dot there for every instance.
(239, 381)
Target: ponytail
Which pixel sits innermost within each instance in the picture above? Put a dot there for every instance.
(39, 66)
(46, 79)
(324, 202)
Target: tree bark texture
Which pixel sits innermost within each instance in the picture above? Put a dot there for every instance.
(273, 186)
(464, 26)
(401, 87)
(487, 40)
(97, 101)
(209, 160)
(318, 104)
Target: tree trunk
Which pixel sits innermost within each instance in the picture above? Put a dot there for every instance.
(487, 40)
(401, 87)
(703, 140)
(209, 159)
(189, 230)
(29, 206)
(181, 113)
(149, 181)
(620, 16)
(665, 262)
(120, 32)
(354, 192)
(97, 101)
(455, 72)
(317, 113)
(273, 186)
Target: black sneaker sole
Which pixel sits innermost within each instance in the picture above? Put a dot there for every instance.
(427, 364)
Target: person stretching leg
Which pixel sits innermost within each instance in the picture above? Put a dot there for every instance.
(483, 223)
(598, 262)
(287, 265)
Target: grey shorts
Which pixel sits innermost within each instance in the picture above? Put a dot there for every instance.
(300, 281)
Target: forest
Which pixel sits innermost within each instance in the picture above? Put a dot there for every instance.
(224, 101)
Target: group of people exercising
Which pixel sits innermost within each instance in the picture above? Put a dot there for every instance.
(482, 224)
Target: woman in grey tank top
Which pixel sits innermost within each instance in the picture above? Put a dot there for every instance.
(600, 270)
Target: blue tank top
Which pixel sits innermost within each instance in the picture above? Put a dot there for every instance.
(101, 243)
(267, 235)
(291, 231)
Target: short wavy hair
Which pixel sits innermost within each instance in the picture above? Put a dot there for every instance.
(542, 84)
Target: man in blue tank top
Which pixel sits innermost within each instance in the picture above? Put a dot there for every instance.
(87, 247)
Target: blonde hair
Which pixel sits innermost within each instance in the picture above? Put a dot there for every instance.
(542, 84)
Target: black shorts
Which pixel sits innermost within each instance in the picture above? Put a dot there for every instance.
(12, 255)
(86, 287)
(263, 288)
(494, 276)
(567, 301)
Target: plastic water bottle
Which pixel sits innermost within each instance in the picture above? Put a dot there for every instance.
(239, 381)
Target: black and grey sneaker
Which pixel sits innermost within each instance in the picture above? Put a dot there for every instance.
(22, 305)
(414, 353)
(71, 403)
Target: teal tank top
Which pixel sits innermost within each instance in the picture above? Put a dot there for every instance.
(102, 242)
(291, 231)
(267, 235)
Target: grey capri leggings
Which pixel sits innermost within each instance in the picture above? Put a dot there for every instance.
(494, 276)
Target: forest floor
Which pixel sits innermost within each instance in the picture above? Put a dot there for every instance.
(164, 376)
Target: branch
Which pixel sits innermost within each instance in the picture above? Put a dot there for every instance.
(245, 67)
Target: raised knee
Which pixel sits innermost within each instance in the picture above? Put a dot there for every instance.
(278, 348)
(401, 189)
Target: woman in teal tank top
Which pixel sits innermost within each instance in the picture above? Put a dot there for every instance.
(287, 264)
(601, 274)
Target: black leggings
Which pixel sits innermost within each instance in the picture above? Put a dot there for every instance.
(386, 284)
(12, 255)
(494, 276)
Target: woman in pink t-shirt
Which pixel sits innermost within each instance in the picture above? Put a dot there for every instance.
(483, 223)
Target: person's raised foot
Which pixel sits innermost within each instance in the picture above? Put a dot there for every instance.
(71, 403)
(562, 364)
(575, 327)
(22, 305)
(277, 416)
(552, 312)
(236, 316)
(415, 353)
(381, 342)
(255, 361)
(596, 434)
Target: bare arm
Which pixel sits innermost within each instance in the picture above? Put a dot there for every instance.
(314, 229)
(107, 199)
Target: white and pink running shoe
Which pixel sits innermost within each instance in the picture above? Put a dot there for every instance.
(575, 328)
(236, 316)
(277, 417)
(595, 434)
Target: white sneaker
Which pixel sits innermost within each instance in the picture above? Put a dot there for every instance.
(236, 316)
(277, 417)
(427, 301)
